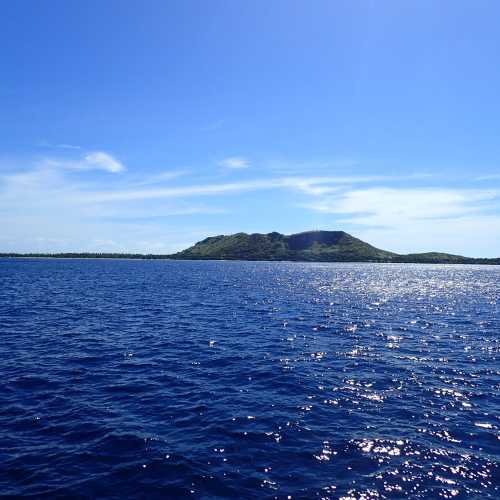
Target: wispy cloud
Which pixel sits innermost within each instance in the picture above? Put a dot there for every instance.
(103, 161)
(120, 213)
(308, 185)
(160, 178)
(492, 177)
(95, 160)
(386, 206)
(46, 144)
(67, 146)
(175, 192)
(235, 162)
(287, 167)
(418, 219)
(43, 210)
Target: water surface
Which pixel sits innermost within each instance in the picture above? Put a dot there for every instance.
(162, 379)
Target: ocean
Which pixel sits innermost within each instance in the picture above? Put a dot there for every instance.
(173, 379)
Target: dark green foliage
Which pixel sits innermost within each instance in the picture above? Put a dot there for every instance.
(85, 255)
(442, 258)
(325, 246)
(313, 246)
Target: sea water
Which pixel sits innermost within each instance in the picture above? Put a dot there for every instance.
(170, 379)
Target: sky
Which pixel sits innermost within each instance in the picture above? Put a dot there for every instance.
(145, 126)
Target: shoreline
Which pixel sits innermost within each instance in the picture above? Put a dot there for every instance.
(171, 259)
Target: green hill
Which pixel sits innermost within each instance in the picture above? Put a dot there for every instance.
(310, 246)
(324, 246)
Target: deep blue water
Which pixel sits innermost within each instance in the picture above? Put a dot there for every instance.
(158, 379)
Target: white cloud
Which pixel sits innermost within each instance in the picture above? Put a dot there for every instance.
(42, 210)
(159, 178)
(45, 209)
(235, 162)
(287, 167)
(307, 185)
(94, 160)
(103, 161)
(171, 192)
(492, 177)
(67, 146)
(405, 220)
(474, 235)
(389, 206)
(46, 144)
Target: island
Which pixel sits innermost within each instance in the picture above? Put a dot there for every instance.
(308, 246)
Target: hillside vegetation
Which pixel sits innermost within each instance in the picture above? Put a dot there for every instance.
(315, 246)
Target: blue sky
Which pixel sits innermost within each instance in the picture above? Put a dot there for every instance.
(146, 126)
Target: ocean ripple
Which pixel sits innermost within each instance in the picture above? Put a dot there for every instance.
(159, 379)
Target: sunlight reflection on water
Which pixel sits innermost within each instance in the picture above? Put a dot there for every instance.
(249, 379)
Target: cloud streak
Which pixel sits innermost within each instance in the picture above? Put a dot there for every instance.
(235, 163)
(46, 144)
(492, 177)
(94, 160)
(386, 206)
(103, 161)
(307, 185)
(312, 186)
(404, 220)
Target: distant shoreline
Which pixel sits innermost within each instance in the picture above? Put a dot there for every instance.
(69, 256)
(83, 256)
